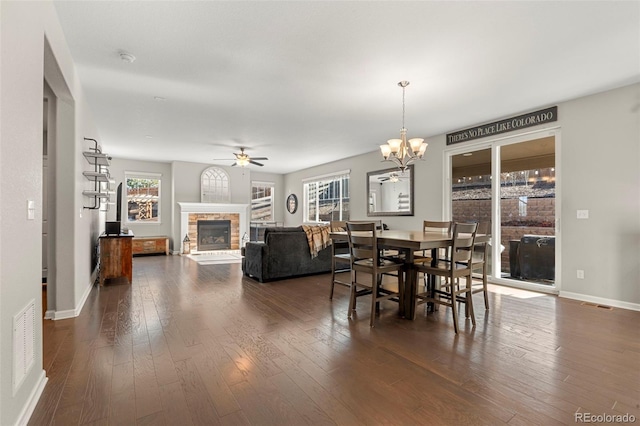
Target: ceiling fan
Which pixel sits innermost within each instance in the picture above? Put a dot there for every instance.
(393, 177)
(243, 159)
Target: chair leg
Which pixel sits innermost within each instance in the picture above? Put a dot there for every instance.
(374, 298)
(470, 302)
(352, 294)
(484, 286)
(401, 292)
(415, 296)
(333, 277)
(454, 309)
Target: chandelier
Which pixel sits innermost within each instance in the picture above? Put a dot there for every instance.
(401, 151)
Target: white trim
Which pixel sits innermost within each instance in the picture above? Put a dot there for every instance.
(327, 175)
(72, 313)
(145, 174)
(241, 209)
(524, 285)
(498, 143)
(261, 182)
(30, 406)
(600, 300)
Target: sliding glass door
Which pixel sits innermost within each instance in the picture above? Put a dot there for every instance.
(512, 184)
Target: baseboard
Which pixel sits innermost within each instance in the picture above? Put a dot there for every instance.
(601, 300)
(30, 406)
(71, 313)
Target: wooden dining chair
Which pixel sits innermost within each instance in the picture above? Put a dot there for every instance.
(460, 266)
(480, 261)
(366, 258)
(340, 257)
(435, 226)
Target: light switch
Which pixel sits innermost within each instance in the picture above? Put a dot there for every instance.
(31, 210)
(583, 214)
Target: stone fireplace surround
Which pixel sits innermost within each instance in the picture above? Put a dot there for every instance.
(190, 213)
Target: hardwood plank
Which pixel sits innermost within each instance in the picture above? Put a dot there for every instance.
(217, 388)
(122, 407)
(202, 344)
(98, 394)
(197, 397)
(175, 409)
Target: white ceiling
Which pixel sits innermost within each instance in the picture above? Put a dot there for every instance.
(305, 83)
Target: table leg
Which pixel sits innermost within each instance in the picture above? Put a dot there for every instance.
(409, 287)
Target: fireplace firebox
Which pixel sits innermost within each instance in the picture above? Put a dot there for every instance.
(214, 235)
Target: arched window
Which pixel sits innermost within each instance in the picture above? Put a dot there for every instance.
(214, 186)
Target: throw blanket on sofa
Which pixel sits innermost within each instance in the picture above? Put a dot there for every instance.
(318, 238)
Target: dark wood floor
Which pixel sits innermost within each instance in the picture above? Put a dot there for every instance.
(203, 345)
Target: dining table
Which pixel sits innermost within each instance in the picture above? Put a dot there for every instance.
(409, 242)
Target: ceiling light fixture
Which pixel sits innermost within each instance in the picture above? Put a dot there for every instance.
(127, 57)
(401, 151)
(242, 159)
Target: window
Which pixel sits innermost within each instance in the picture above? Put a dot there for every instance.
(214, 186)
(262, 201)
(143, 197)
(326, 198)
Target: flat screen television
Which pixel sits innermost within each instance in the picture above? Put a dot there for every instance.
(119, 203)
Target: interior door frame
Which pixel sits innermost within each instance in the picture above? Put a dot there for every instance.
(495, 145)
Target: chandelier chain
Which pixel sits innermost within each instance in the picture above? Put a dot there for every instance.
(403, 87)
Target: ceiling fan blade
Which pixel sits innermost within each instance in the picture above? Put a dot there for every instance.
(256, 163)
(259, 158)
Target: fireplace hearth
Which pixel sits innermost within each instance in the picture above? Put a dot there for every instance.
(214, 235)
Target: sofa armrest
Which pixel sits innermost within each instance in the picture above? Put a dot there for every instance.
(256, 255)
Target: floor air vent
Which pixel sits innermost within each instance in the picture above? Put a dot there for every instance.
(597, 305)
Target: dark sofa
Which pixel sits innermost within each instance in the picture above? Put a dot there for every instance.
(283, 254)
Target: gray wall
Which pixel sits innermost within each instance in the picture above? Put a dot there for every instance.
(600, 168)
(181, 183)
(25, 27)
(598, 161)
(599, 164)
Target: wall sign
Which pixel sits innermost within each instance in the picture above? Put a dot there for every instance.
(507, 125)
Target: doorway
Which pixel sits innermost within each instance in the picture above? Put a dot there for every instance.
(511, 183)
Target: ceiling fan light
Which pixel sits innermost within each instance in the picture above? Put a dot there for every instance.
(243, 161)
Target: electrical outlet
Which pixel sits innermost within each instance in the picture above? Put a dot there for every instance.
(582, 214)
(580, 274)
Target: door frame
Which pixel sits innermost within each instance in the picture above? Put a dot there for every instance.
(495, 144)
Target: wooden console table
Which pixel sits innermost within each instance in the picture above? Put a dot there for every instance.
(116, 256)
(151, 245)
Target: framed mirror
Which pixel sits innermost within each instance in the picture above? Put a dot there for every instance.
(390, 192)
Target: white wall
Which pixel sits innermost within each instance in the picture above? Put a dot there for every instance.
(599, 164)
(22, 49)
